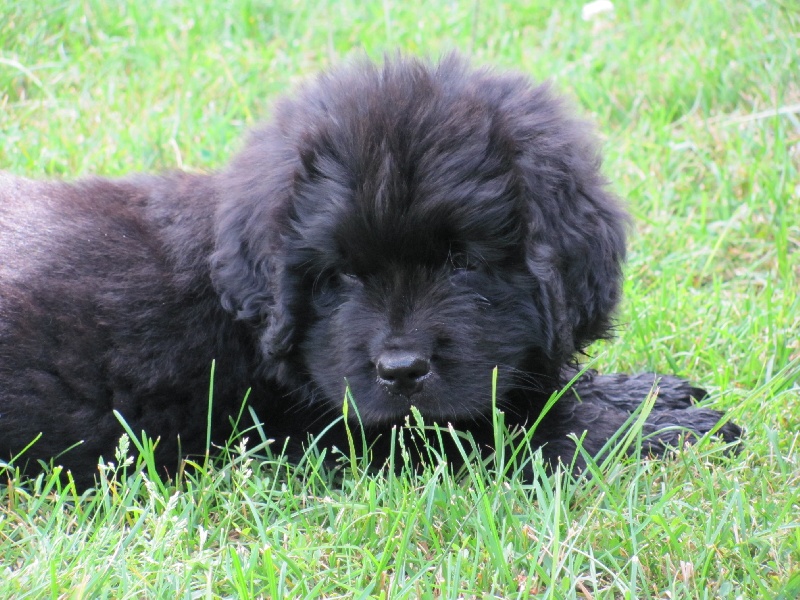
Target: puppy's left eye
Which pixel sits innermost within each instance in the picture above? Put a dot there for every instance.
(461, 263)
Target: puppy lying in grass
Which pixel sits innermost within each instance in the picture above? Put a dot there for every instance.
(401, 228)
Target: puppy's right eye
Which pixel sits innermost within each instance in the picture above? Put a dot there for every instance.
(347, 279)
(333, 282)
(333, 287)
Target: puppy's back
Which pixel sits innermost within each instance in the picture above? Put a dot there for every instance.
(106, 303)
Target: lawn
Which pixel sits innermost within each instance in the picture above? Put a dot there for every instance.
(698, 102)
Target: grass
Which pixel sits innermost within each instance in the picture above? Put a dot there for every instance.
(699, 103)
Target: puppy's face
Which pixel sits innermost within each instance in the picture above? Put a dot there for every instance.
(416, 278)
(404, 229)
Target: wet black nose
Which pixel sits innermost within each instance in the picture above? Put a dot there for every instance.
(402, 372)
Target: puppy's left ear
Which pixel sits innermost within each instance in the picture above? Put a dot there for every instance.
(247, 265)
(576, 225)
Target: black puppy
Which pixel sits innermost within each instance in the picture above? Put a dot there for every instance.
(404, 226)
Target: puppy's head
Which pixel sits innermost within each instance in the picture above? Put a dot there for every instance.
(408, 226)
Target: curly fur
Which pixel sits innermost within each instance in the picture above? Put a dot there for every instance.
(403, 227)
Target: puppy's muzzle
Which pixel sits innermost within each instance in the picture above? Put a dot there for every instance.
(403, 372)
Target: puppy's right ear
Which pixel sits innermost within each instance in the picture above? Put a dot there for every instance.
(248, 262)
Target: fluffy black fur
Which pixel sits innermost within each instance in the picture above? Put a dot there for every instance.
(406, 226)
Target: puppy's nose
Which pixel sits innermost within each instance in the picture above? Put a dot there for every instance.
(402, 372)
